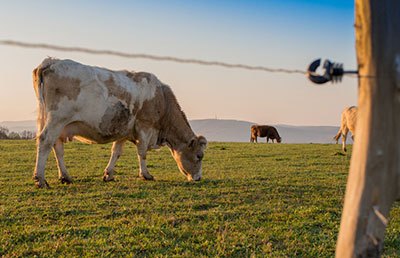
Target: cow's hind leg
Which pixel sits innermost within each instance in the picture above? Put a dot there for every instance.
(45, 142)
(116, 152)
(253, 137)
(337, 136)
(62, 170)
(344, 137)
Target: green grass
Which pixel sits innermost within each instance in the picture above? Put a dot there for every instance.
(256, 200)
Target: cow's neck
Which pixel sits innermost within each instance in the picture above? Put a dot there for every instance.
(175, 129)
(178, 135)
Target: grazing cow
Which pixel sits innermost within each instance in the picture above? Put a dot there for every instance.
(97, 105)
(264, 131)
(348, 123)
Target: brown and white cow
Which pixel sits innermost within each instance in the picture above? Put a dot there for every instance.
(97, 105)
(348, 123)
(264, 131)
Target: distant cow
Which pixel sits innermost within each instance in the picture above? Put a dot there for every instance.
(97, 105)
(348, 123)
(264, 131)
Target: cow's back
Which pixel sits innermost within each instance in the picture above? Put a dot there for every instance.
(100, 103)
(350, 116)
(263, 130)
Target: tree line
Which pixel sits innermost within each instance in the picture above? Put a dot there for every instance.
(6, 134)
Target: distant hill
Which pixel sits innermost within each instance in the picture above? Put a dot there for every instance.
(19, 126)
(222, 130)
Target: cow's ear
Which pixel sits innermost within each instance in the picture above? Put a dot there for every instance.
(202, 141)
(192, 142)
(198, 141)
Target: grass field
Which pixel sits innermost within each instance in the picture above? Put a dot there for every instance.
(256, 200)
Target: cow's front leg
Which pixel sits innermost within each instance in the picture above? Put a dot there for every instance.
(147, 139)
(142, 147)
(143, 172)
(63, 175)
(116, 152)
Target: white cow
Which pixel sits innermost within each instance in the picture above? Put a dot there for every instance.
(348, 123)
(97, 105)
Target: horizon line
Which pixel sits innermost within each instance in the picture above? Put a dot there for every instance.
(198, 119)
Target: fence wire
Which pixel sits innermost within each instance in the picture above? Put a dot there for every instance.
(148, 56)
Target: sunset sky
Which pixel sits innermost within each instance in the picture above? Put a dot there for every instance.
(273, 33)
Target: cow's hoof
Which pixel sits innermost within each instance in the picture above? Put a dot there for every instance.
(108, 175)
(344, 149)
(65, 180)
(146, 177)
(108, 178)
(40, 183)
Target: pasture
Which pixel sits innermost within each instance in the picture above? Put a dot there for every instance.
(255, 200)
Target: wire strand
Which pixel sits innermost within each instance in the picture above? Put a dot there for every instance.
(148, 56)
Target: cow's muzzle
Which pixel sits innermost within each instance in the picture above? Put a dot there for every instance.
(193, 178)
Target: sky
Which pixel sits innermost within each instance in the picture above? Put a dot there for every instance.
(273, 33)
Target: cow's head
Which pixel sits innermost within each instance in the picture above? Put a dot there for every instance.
(189, 157)
(279, 139)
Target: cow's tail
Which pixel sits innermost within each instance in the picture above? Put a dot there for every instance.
(253, 134)
(39, 88)
(41, 106)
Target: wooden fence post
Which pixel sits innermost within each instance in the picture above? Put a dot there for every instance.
(373, 183)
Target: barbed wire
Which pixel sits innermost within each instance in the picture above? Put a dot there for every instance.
(148, 56)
